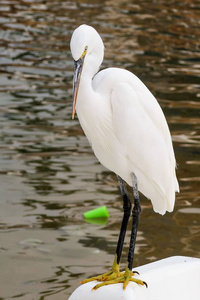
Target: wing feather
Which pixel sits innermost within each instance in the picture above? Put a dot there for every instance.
(141, 127)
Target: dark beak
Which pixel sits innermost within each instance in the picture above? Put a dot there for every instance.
(78, 66)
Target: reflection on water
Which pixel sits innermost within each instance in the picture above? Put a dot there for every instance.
(48, 173)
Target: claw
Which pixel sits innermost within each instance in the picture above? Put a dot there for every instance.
(145, 284)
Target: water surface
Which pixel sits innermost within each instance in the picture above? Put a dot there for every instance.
(48, 173)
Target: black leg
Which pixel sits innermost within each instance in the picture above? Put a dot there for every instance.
(115, 276)
(135, 214)
(127, 212)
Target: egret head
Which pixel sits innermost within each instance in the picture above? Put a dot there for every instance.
(87, 49)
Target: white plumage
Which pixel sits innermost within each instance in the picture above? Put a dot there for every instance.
(123, 122)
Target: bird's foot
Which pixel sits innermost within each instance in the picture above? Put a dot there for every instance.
(124, 277)
(115, 276)
(108, 276)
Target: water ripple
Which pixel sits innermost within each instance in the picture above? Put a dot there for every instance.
(49, 175)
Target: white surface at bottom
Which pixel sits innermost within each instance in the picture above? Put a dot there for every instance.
(173, 278)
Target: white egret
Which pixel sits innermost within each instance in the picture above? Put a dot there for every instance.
(129, 135)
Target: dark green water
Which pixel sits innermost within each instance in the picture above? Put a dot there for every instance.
(48, 173)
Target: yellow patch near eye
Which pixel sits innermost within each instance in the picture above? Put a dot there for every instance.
(84, 52)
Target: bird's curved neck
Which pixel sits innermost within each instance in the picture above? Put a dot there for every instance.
(87, 98)
(86, 91)
(90, 68)
(87, 102)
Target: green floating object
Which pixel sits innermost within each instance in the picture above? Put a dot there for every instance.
(100, 212)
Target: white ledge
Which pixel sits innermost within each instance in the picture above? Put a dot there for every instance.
(173, 278)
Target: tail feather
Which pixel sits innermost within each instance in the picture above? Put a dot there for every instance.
(162, 199)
